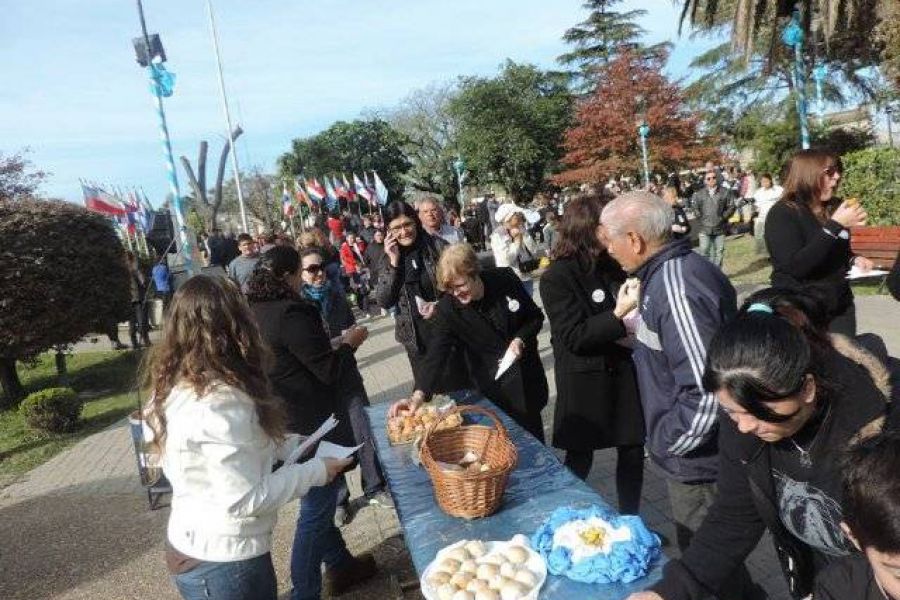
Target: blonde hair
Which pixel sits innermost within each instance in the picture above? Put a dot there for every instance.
(458, 260)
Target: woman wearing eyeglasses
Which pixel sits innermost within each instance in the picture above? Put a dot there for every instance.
(407, 279)
(489, 314)
(808, 236)
(793, 399)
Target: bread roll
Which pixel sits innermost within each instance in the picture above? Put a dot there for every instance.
(461, 580)
(463, 595)
(460, 554)
(438, 579)
(526, 577)
(476, 548)
(487, 595)
(477, 585)
(449, 565)
(446, 591)
(513, 591)
(508, 570)
(516, 555)
(499, 582)
(469, 566)
(487, 571)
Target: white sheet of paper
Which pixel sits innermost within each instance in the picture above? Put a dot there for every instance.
(323, 430)
(857, 273)
(421, 303)
(329, 450)
(505, 363)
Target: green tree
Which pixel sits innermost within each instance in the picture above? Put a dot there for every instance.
(262, 196)
(603, 36)
(354, 147)
(18, 178)
(62, 274)
(873, 176)
(509, 127)
(429, 132)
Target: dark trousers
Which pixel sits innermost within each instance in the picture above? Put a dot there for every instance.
(370, 470)
(629, 474)
(139, 324)
(845, 322)
(690, 505)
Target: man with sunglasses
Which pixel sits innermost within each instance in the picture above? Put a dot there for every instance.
(714, 205)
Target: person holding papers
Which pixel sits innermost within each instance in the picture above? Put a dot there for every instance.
(306, 374)
(493, 318)
(808, 236)
(588, 303)
(220, 431)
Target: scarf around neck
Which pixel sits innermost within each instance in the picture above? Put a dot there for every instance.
(319, 295)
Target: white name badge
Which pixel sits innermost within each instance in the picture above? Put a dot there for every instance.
(512, 304)
(598, 296)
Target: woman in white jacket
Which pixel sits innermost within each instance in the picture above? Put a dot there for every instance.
(220, 432)
(513, 246)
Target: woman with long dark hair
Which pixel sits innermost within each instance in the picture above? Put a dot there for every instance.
(808, 236)
(795, 399)
(306, 374)
(220, 432)
(407, 279)
(597, 401)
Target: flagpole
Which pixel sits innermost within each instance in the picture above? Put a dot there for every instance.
(234, 158)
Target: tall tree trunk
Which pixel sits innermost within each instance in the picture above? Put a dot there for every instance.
(13, 391)
(220, 174)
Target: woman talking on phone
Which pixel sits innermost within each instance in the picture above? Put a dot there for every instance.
(808, 236)
(221, 430)
(407, 279)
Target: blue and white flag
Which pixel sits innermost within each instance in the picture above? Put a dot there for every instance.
(381, 192)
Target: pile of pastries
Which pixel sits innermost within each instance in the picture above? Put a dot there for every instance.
(471, 572)
(409, 425)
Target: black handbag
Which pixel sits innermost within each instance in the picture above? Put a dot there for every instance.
(527, 261)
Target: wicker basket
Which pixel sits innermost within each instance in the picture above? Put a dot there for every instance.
(465, 494)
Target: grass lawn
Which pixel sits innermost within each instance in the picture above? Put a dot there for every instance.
(744, 267)
(104, 380)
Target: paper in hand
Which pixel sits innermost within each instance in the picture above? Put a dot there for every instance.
(505, 363)
(421, 303)
(323, 430)
(329, 450)
(857, 273)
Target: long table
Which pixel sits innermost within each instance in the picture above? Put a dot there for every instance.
(538, 485)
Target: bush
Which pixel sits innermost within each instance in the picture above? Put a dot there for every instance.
(54, 410)
(873, 176)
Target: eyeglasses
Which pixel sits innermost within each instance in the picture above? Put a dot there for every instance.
(313, 269)
(405, 226)
(832, 171)
(711, 178)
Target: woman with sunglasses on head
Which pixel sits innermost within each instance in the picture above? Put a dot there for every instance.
(807, 235)
(308, 374)
(489, 314)
(794, 398)
(407, 280)
(339, 320)
(220, 431)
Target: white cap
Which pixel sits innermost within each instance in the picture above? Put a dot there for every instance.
(505, 211)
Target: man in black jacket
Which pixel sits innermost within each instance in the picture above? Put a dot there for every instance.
(714, 205)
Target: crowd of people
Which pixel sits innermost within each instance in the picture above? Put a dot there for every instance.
(772, 416)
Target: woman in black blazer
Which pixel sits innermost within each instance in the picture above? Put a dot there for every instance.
(808, 237)
(487, 313)
(597, 400)
(307, 375)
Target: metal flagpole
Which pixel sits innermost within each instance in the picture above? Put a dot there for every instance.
(234, 159)
(793, 37)
(183, 238)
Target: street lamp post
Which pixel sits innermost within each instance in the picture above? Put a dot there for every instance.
(793, 36)
(152, 55)
(460, 168)
(643, 132)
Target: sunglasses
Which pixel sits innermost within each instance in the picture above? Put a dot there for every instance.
(832, 171)
(313, 269)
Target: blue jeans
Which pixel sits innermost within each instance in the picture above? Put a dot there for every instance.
(250, 579)
(713, 247)
(316, 540)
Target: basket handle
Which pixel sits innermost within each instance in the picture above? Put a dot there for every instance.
(498, 425)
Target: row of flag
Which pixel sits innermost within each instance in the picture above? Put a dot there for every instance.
(131, 209)
(314, 194)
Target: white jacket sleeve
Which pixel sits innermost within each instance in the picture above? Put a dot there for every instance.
(238, 456)
(290, 443)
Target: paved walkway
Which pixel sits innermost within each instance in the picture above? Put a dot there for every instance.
(78, 527)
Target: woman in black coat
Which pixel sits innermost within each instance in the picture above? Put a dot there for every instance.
(306, 374)
(808, 237)
(597, 400)
(487, 314)
(407, 279)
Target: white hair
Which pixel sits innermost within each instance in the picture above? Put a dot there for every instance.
(646, 214)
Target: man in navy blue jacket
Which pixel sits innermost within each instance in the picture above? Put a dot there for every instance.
(684, 299)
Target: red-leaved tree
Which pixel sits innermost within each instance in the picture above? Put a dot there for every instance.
(604, 141)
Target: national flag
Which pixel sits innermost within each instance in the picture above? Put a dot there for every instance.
(339, 189)
(287, 206)
(373, 196)
(362, 189)
(147, 211)
(381, 192)
(315, 189)
(331, 197)
(301, 196)
(99, 201)
(350, 191)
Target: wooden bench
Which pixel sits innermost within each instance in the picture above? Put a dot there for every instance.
(879, 244)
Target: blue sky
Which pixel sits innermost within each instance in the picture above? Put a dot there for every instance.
(292, 67)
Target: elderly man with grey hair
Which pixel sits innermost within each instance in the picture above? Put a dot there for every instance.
(684, 298)
(431, 214)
